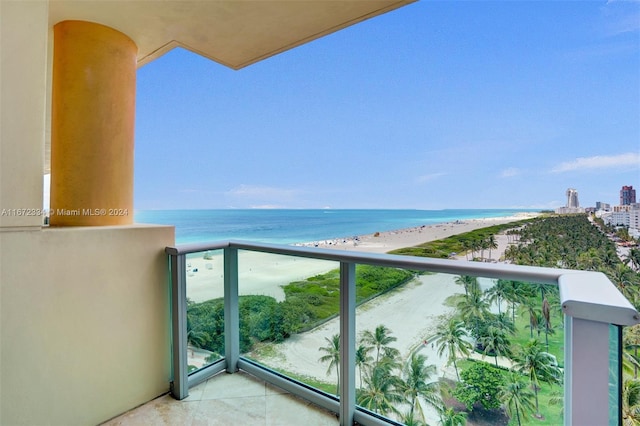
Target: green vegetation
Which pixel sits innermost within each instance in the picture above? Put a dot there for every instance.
(532, 335)
(308, 303)
(475, 242)
(317, 298)
(480, 384)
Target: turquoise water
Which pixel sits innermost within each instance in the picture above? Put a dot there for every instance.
(295, 226)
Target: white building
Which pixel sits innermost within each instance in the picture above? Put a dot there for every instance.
(573, 205)
(572, 198)
(617, 218)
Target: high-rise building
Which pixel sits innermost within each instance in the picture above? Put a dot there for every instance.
(627, 195)
(572, 198)
(573, 205)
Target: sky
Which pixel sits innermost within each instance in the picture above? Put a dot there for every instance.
(436, 105)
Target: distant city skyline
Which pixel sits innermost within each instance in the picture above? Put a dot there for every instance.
(435, 105)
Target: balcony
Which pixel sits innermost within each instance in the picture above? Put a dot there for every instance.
(264, 388)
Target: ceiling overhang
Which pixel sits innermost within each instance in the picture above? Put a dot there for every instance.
(234, 33)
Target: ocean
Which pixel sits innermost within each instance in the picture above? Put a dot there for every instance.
(299, 226)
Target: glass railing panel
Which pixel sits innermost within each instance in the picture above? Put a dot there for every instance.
(205, 308)
(448, 341)
(393, 327)
(615, 374)
(289, 316)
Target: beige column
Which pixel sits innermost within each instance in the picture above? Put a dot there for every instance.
(92, 125)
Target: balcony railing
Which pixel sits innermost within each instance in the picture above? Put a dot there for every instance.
(594, 314)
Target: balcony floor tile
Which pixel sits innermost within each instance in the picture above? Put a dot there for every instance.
(225, 399)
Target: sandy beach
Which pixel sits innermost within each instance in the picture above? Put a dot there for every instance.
(265, 274)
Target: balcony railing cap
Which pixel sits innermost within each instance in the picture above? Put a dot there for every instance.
(591, 296)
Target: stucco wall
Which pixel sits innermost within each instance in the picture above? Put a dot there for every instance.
(84, 322)
(23, 85)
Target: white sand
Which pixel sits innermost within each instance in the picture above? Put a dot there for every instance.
(265, 274)
(391, 240)
(412, 314)
(258, 273)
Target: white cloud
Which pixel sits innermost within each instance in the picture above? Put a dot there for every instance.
(266, 207)
(429, 178)
(510, 172)
(262, 192)
(599, 162)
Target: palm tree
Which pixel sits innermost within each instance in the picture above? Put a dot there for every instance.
(634, 258)
(409, 419)
(514, 294)
(452, 339)
(449, 417)
(379, 339)
(475, 246)
(534, 315)
(622, 276)
(609, 258)
(504, 323)
(496, 342)
(491, 244)
(631, 402)
(332, 356)
(468, 282)
(483, 244)
(538, 365)
(516, 397)
(362, 359)
(382, 391)
(195, 338)
(589, 260)
(631, 342)
(498, 292)
(416, 374)
(473, 306)
(466, 246)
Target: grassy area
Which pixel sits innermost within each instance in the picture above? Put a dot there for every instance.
(318, 297)
(556, 340)
(456, 243)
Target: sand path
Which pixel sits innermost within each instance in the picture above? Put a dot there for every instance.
(412, 313)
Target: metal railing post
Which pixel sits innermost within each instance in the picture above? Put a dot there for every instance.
(231, 310)
(347, 342)
(180, 387)
(586, 387)
(591, 303)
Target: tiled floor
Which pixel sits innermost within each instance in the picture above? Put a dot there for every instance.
(229, 399)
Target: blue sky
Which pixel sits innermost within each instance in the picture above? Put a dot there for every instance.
(435, 105)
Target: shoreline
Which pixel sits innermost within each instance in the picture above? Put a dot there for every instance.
(266, 274)
(383, 242)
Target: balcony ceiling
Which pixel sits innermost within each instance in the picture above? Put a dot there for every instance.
(233, 33)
